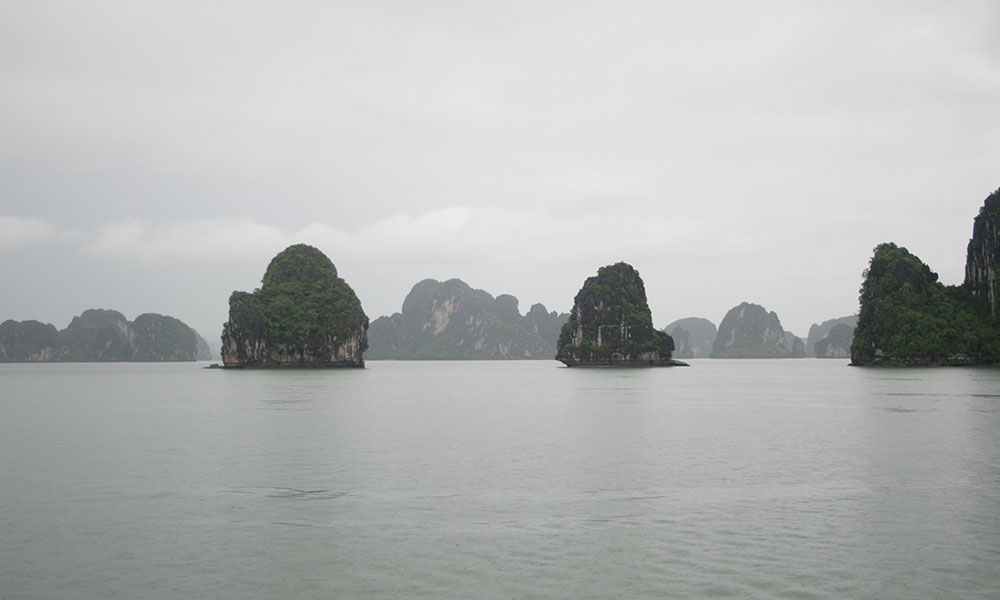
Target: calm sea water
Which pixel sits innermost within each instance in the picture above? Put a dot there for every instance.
(729, 479)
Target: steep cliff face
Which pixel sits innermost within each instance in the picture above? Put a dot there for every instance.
(982, 265)
(99, 335)
(837, 344)
(303, 315)
(749, 331)
(822, 330)
(450, 320)
(908, 317)
(693, 337)
(610, 324)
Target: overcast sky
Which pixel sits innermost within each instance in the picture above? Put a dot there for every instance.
(155, 156)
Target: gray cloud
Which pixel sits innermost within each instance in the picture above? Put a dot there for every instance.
(732, 151)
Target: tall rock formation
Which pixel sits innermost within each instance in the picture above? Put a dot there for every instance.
(99, 335)
(982, 264)
(749, 331)
(610, 324)
(908, 317)
(693, 337)
(820, 331)
(303, 315)
(450, 320)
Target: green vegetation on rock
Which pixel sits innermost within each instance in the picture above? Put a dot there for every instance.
(302, 315)
(909, 317)
(611, 324)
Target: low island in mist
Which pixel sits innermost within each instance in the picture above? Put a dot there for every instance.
(831, 338)
(452, 321)
(99, 335)
(750, 331)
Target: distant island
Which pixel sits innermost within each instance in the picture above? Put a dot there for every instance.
(99, 335)
(693, 337)
(833, 347)
(837, 344)
(303, 315)
(910, 318)
(611, 325)
(451, 320)
(750, 331)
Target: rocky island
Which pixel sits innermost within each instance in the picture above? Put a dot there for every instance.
(910, 318)
(818, 332)
(750, 331)
(452, 321)
(99, 335)
(693, 337)
(303, 315)
(611, 325)
(837, 344)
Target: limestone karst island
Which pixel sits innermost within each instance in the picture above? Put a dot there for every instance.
(100, 335)
(452, 321)
(303, 315)
(910, 318)
(610, 324)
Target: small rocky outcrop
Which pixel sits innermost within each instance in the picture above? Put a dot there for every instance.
(303, 315)
(99, 335)
(982, 265)
(837, 344)
(750, 331)
(611, 324)
(822, 330)
(452, 321)
(693, 337)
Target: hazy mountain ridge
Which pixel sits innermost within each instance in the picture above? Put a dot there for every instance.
(450, 320)
(99, 335)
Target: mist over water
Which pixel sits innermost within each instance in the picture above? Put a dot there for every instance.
(729, 479)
